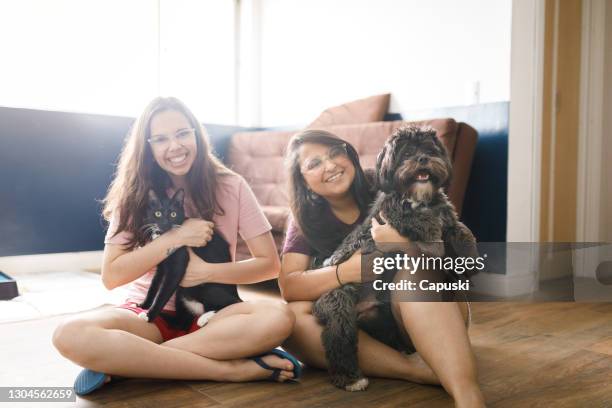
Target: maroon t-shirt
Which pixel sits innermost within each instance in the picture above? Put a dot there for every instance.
(295, 241)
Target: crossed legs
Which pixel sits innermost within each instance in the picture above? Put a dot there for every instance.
(117, 342)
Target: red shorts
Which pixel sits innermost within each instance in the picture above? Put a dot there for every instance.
(168, 332)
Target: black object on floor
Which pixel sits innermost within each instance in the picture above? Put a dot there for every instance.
(8, 287)
(604, 273)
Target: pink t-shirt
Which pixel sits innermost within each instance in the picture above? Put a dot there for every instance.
(242, 216)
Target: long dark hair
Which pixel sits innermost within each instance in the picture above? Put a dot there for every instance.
(322, 237)
(138, 172)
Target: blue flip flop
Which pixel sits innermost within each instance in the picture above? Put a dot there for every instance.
(297, 367)
(88, 381)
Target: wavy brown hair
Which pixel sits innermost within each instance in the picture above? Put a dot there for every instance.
(138, 172)
(322, 237)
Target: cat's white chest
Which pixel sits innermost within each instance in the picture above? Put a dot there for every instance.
(196, 308)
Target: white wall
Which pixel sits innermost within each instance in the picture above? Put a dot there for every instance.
(319, 53)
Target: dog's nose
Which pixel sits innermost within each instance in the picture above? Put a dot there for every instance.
(423, 159)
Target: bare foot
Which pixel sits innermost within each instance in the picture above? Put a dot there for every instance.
(249, 370)
(470, 398)
(422, 373)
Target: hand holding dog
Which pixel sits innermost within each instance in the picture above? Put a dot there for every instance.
(385, 233)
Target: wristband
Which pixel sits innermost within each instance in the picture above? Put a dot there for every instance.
(337, 275)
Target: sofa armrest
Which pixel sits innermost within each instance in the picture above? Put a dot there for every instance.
(462, 156)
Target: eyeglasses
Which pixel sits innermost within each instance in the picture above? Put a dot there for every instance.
(163, 141)
(314, 164)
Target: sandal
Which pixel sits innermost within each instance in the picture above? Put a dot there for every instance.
(88, 381)
(297, 367)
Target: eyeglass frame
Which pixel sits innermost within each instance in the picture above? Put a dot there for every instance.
(153, 143)
(325, 158)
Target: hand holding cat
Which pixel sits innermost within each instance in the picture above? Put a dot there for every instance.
(194, 232)
(195, 274)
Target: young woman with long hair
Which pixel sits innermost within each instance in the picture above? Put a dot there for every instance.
(167, 149)
(330, 195)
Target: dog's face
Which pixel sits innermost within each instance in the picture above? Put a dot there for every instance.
(414, 163)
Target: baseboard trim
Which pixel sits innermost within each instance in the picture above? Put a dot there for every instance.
(66, 261)
(505, 286)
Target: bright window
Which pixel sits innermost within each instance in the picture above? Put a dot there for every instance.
(197, 56)
(113, 56)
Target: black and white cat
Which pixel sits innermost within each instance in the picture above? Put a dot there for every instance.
(203, 300)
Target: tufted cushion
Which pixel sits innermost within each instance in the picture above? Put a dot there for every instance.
(277, 215)
(259, 158)
(365, 110)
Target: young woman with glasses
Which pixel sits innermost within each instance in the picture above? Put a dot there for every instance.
(330, 195)
(166, 150)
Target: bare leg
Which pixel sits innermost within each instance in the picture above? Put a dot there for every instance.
(438, 332)
(375, 358)
(117, 342)
(240, 330)
(378, 360)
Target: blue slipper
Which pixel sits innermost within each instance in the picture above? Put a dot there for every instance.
(88, 381)
(297, 367)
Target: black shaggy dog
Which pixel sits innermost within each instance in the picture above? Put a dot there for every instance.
(412, 169)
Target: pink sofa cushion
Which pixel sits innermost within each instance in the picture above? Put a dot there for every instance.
(371, 109)
(277, 215)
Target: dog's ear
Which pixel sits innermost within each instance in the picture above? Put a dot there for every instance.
(385, 166)
(446, 184)
(447, 160)
(439, 144)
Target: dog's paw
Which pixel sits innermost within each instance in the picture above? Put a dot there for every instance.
(359, 385)
(144, 316)
(202, 320)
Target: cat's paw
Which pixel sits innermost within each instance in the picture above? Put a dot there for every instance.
(202, 320)
(144, 316)
(359, 385)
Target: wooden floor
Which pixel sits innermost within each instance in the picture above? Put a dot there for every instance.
(529, 355)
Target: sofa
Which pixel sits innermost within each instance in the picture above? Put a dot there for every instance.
(259, 157)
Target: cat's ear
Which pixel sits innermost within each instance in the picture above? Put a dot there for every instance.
(153, 197)
(179, 196)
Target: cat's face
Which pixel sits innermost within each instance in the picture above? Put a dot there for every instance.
(164, 213)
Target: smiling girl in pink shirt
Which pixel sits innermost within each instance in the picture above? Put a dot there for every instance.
(167, 149)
